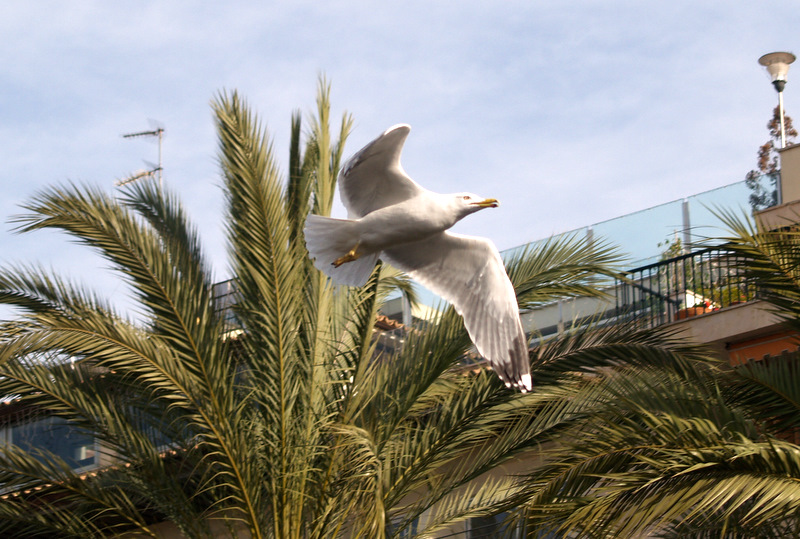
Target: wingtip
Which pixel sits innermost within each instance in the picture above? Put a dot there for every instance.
(395, 127)
(524, 383)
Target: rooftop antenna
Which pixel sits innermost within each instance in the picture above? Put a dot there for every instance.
(157, 131)
(777, 64)
(138, 176)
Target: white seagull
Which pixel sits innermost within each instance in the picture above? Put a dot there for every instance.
(392, 217)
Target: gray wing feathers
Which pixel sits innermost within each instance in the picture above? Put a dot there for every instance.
(373, 178)
(469, 273)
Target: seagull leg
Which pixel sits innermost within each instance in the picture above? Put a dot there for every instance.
(351, 255)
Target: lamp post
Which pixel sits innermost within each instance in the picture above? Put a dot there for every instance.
(777, 64)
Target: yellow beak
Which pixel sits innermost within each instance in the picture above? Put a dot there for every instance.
(488, 203)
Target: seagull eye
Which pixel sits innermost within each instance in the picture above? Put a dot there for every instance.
(466, 197)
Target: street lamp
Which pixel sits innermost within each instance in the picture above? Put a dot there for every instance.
(777, 64)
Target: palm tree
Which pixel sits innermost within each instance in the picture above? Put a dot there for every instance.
(286, 423)
(698, 451)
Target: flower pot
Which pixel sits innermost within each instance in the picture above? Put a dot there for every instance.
(689, 311)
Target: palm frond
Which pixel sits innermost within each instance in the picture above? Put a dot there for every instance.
(563, 267)
(293, 425)
(770, 390)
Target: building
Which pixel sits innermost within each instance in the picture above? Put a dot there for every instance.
(699, 293)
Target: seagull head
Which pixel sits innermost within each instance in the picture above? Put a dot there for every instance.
(470, 203)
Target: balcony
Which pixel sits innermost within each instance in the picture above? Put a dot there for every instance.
(707, 299)
(704, 296)
(679, 288)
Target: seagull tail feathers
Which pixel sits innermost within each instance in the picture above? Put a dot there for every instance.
(328, 239)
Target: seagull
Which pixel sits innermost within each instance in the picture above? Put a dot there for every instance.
(392, 217)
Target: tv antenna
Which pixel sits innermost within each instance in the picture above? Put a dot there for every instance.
(153, 170)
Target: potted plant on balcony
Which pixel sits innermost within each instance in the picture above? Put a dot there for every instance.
(700, 307)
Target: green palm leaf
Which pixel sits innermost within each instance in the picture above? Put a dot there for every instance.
(276, 417)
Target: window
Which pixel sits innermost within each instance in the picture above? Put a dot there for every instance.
(494, 527)
(408, 532)
(55, 435)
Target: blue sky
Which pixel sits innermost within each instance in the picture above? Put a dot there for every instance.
(568, 113)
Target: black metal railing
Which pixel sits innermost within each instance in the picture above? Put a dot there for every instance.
(695, 283)
(652, 295)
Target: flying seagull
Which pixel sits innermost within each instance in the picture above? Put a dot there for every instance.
(392, 217)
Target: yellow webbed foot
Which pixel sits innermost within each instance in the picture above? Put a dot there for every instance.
(351, 255)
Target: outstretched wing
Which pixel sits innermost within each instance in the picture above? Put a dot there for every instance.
(373, 178)
(469, 273)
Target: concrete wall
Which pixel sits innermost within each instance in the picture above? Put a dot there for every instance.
(790, 173)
